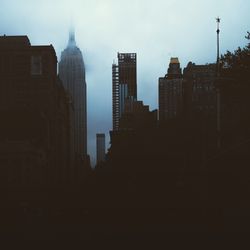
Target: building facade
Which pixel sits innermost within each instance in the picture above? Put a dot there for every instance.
(35, 114)
(124, 84)
(72, 74)
(200, 110)
(170, 92)
(199, 90)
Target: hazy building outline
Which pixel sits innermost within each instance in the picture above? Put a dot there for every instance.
(72, 74)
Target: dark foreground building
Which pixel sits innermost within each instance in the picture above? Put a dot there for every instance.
(200, 108)
(200, 90)
(35, 116)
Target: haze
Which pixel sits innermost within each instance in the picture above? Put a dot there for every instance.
(155, 30)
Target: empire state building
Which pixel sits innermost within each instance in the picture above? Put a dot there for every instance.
(72, 74)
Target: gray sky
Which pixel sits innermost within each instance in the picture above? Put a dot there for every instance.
(155, 29)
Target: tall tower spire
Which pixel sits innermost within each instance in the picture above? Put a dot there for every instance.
(72, 74)
(72, 42)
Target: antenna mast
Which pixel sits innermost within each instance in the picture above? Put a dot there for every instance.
(218, 44)
(218, 88)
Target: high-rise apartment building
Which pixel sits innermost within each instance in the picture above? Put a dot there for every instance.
(100, 148)
(170, 92)
(35, 115)
(124, 84)
(72, 74)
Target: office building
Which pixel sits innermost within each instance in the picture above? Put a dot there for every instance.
(170, 92)
(199, 90)
(72, 74)
(124, 84)
(35, 115)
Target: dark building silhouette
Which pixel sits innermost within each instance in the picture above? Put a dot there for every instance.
(35, 115)
(136, 115)
(199, 88)
(200, 111)
(124, 84)
(72, 74)
(170, 92)
(132, 142)
(132, 120)
(233, 110)
(100, 148)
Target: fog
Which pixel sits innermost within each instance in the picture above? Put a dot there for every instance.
(155, 30)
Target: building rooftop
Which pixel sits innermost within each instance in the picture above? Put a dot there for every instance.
(174, 60)
(14, 41)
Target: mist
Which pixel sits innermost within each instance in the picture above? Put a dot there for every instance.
(155, 30)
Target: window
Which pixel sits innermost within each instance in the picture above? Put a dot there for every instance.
(36, 65)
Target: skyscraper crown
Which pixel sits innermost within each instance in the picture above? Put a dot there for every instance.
(72, 42)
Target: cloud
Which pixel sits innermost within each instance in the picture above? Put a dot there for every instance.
(156, 30)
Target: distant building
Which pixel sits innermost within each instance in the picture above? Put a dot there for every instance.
(124, 84)
(35, 114)
(72, 74)
(170, 92)
(100, 148)
(127, 72)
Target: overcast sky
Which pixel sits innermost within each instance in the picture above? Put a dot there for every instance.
(155, 29)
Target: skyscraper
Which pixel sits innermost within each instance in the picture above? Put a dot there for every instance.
(72, 74)
(100, 148)
(124, 84)
(170, 92)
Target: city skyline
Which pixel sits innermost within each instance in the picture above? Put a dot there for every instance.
(162, 31)
(124, 123)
